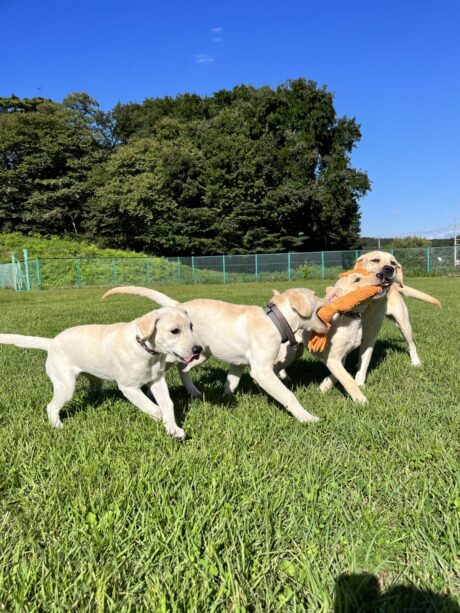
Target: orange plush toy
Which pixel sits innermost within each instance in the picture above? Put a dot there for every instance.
(344, 304)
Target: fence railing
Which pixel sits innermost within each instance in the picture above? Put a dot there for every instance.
(45, 273)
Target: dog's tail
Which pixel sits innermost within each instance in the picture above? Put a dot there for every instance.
(410, 292)
(27, 342)
(152, 294)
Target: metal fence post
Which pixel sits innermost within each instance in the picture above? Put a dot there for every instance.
(193, 268)
(322, 264)
(78, 274)
(114, 270)
(178, 270)
(26, 268)
(224, 272)
(256, 267)
(15, 272)
(289, 265)
(147, 270)
(428, 263)
(37, 271)
(356, 254)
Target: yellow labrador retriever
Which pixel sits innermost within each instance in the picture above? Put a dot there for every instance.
(393, 307)
(344, 336)
(346, 331)
(132, 354)
(240, 335)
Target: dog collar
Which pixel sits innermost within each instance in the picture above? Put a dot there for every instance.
(281, 324)
(143, 344)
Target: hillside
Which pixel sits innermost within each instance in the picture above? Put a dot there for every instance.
(53, 247)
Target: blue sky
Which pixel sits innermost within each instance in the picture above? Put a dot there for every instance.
(395, 66)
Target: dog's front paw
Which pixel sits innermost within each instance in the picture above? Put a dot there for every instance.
(176, 432)
(56, 423)
(360, 399)
(306, 417)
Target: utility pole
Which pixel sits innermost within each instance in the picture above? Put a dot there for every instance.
(455, 242)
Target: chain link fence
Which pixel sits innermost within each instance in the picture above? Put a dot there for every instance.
(46, 273)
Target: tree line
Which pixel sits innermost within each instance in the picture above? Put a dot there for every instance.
(244, 170)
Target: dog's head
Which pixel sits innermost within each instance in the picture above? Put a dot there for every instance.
(169, 330)
(383, 262)
(304, 303)
(353, 280)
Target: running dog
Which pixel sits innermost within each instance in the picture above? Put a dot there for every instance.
(393, 307)
(132, 354)
(240, 335)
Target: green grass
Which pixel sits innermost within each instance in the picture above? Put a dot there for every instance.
(255, 511)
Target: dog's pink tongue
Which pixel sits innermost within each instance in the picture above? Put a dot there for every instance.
(192, 357)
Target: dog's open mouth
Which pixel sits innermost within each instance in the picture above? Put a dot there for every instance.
(187, 359)
(384, 285)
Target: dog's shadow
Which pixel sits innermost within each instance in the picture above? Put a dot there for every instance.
(361, 593)
(309, 370)
(88, 398)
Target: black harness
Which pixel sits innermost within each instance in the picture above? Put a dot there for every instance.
(281, 324)
(143, 344)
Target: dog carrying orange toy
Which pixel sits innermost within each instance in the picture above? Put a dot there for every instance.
(345, 304)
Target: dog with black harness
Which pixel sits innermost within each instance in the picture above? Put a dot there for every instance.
(246, 335)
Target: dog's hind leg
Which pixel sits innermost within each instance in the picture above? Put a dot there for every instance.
(63, 380)
(327, 383)
(233, 378)
(397, 311)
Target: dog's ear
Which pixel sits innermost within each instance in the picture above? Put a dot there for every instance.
(359, 262)
(301, 304)
(146, 325)
(330, 293)
(399, 274)
(275, 292)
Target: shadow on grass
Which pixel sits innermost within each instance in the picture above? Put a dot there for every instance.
(308, 370)
(360, 593)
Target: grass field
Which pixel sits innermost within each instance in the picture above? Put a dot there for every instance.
(255, 512)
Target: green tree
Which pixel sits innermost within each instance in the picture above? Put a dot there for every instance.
(247, 169)
(46, 152)
(148, 195)
(409, 242)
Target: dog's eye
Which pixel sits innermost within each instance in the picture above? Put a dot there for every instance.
(393, 263)
(191, 326)
(175, 331)
(376, 260)
(356, 280)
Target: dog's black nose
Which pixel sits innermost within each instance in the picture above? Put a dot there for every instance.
(197, 349)
(379, 275)
(388, 270)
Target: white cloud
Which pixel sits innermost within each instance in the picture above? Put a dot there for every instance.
(217, 30)
(203, 58)
(218, 40)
